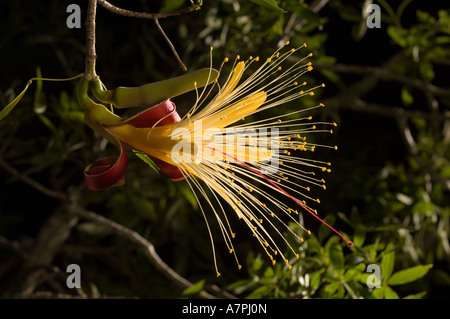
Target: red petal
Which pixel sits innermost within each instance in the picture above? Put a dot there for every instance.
(169, 170)
(103, 173)
(161, 114)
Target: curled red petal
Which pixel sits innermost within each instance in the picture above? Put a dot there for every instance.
(169, 170)
(104, 173)
(161, 114)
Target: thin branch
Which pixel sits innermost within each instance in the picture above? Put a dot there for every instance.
(146, 246)
(145, 15)
(384, 74)
(91, 55)
(384, 110)
(172, 48)
(31, 182)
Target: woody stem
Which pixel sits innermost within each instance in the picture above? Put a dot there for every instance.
(90, 40)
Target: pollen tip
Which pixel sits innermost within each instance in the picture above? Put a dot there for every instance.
(218, 274)
(226, 60)
(296, 255)
(274, 262)
(335, 147)
(304, 44)
(211, 48)
(310, 68)
(321, 104)
(289, 267)
(310, 54)
(269, 60)
(239, 267)
(301, 240)
(295, 83)
(334, 124)
(238, 57)
(292, 50)
(324, 187)
(323, 85)
(286, 43)
(257, 59)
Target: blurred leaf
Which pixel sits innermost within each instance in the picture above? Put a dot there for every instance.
(379, 293)
(271, 4)
(315, 278)
(354, 272)
(426, 69)
(259, 292)
(389, 293)
(419, 295)
(406, 96)
(387, 262)
(409, 275)
(171, 5)
(144, 208)
(359, 235)
(194, 289)
(336, 255)
(93, 229)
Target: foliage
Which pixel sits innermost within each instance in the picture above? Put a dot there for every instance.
(387, 89)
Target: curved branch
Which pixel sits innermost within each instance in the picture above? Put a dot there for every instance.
(148, 249)
(144, 15)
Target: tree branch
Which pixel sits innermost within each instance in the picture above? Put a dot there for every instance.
(39, 187)
(145, 15)
(148, 249)
(384, 74)
(91, 55)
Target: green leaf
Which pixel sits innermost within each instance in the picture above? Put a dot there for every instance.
(419, 295)
(387, 263)
(359, 236)
(7, 109)
(426, 69)
(10, 106)
(259, 293)
(146, 160)
(379, 293)
(354, 272)
(407, 97)
(315, 278)
(389, 293)
(271, 4)
(171, 5)
(336, 257)
(409, 275)
(194, 289)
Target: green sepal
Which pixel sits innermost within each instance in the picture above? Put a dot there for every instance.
(96, 115)
(153, 93)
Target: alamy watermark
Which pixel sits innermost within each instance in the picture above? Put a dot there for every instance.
(374, 280)
(373, 16)
(230, 145)
(74, 279)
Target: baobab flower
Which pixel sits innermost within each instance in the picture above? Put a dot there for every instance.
(255, 167)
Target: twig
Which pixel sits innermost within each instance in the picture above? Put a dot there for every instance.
(145, 15)
(31, 182)
(384, 74)
(91, 55)
(172, 48)
(147, 247)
